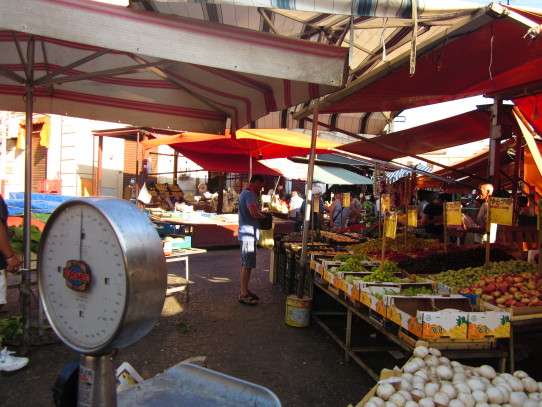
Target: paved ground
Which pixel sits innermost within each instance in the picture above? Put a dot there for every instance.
(302, 366)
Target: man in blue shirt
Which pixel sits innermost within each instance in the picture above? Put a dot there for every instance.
(249, 232)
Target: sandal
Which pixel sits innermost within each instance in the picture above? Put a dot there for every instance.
(254, 296)
(247, 300)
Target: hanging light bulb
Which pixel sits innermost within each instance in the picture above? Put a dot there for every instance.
(535, 116)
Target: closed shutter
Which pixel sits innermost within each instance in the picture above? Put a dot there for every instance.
(39, 161)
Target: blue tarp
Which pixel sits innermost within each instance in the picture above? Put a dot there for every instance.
(40, 203)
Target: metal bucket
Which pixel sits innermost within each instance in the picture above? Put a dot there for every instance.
(298, 311)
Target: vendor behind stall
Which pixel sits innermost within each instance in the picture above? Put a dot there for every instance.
(432, 218)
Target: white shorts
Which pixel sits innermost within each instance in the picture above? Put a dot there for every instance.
(3, 287)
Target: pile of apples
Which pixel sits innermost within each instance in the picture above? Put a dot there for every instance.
(509, 290)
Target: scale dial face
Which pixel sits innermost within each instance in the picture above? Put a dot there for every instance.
(84, 278)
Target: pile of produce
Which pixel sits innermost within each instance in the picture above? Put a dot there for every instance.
(459, 257)
(431, 380)
(509, 290)
(16, 234)
(337, 237)
(384, 273)
(466, 277)
(397, 244)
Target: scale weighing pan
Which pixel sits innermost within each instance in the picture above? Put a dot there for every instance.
(187, 385)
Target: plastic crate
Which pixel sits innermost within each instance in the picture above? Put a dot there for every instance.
(50, 186)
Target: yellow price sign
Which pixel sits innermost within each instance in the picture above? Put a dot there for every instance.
(390, 225)
(316, 203)
(501, 210)
(345, 197)
(385, 202)
(453, 213)
(412, 216)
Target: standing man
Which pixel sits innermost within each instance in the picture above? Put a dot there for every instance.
(9, 261)
(484, 192)
(295, 204)
(249, 233)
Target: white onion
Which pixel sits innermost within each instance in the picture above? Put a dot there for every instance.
(390, 404)
(405, 385)
(378, 401)
(462, 387)
(441, 398)
(529, 384)
(385, 390)
(487, 372)
(455, 363)
(410, 367)
(476, 384)
(436, 352)
(448, 389)
(411, 403)
(535, 396)
(398, 399)
(418, 385)
(505, 392)
(371, 404)
(517, 398)
(540, 387)
(444, 372)
(515, 384)
(467, 399)
(406, 395)
(419, 361)
(426, 402)
(417, 394)
(431, 360)
(456, 403)
(494, 395)
(443, 360)
(479, 396)
(520, 374)
(498, 379)
(459, 377)
(481, 404)
(407, 376)
(420, 351)
(530, 403)
(422, 373)
(431, 389)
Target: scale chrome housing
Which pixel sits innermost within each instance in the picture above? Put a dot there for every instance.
(119, 299)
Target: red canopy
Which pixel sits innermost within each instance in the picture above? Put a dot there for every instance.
(527, 106)
(230, 153)
(492, 56)
(456, 130)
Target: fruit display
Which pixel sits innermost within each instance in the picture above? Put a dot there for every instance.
(466, 277)
(383, 273)
(397, 244)
(347, 256)
(428, 380)
(16, 236)
(458, 258)
(508, 290)
(337, 237)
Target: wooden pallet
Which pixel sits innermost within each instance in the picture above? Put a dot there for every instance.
(450, 343)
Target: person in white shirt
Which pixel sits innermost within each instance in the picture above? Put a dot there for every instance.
(484, 192)
(295, 205)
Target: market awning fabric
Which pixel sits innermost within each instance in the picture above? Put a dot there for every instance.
(450, 132)
(258, 143)
(495, 51)
(322, 173)
(100, 61)
(236, 163)
(527, 105)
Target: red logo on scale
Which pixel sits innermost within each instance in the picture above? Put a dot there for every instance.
(77, 275)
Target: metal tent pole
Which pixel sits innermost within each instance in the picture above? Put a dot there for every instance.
(25, 287)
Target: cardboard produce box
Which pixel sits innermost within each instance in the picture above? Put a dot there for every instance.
(489, 323)
(431, 317)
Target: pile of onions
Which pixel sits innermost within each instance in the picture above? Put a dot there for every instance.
(430, 380)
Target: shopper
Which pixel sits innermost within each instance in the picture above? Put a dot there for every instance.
(319, 214)
(338, 215)
(249, 232)
(355, 214)
(9, 262)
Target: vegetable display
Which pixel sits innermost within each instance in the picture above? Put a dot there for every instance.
(430, 380)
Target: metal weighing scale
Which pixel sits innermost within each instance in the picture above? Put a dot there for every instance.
(102, 280)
